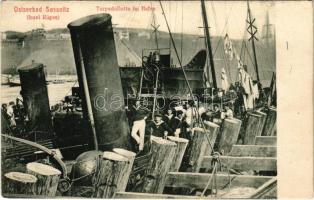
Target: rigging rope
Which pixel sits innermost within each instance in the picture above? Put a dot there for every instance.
(192, 96)
(181, 30)
(215, 16)
(210, 179)
(184, 73)
(224, 28)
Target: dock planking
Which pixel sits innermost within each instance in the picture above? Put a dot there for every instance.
(266, 140)
(266, 191)
(253, 150)
(199, 180)
(137, 195)
(245, 163)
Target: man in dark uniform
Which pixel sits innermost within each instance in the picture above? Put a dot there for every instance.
(216, 114)
(175, 123)
(169, 116)
(160, 128)
(5, 123)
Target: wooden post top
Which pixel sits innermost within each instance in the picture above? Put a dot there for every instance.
(233, 120)
(108, 155)
(162, 141)
(254, 114)
(177, 139)
(42, 169)
(21, 177)
(124, 152)
(211, 124)
(198, 129)
(260, 112)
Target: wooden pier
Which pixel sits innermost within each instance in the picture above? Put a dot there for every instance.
(238, 165)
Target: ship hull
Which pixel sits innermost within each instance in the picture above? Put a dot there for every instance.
(173, 81)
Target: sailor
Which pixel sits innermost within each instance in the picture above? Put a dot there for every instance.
(169, 115)
(10, 113)
(202, 109)
(138, 128)
(239, 102)
(189, 113)
(160, 128)
(5, 123)
(216, 117)
(185, 131)
(176, 123)
(207, 115)
(4, 109)
(228, 113)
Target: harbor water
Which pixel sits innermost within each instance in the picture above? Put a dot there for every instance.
(56, 92)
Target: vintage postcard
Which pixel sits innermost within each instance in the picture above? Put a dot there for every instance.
(156, 99)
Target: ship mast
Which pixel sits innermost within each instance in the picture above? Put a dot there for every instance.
(208, 46)
(267, 31)
(267, 26)
(252, 31)
(155, 28)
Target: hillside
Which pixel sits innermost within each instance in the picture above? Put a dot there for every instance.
(57, 55)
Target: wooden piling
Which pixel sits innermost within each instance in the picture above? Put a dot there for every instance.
(262, 122)
(270, 124)
(131, 156)
(199, 144)
(112, 174)
(229, 135)
(137, 195)
(213, 132)
(47, 178)
(19, 183)
(180, 150)
(252, 128)
(200, 180)
(162, 155)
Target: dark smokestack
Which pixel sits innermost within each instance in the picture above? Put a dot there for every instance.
(35, 99)
(95, 57)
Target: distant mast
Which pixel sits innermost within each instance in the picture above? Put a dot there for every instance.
(252, 31)
(155, 27)
(267, 34)
(268, 31)
(208, 46)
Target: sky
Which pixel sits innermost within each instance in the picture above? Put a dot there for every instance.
(223, 16)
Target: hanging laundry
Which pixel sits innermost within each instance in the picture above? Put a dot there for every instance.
(228, 47)
(255, 91)
(224, 80)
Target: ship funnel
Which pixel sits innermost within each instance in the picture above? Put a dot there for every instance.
(35, 100)
(99, 79)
